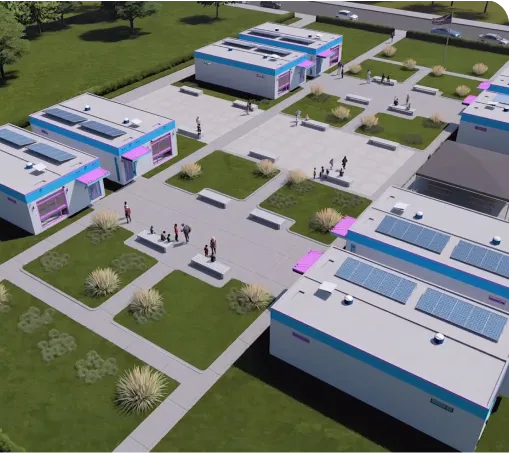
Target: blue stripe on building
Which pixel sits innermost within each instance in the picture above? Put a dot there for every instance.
(481, 121)
(498, 89)
(381, 365)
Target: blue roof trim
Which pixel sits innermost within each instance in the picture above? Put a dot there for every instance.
(162, 130)
(434, 266)
(381, 365)
(289, 46)
(481, 121)
(498, 89)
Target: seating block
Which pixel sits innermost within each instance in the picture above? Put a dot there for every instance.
(215, 268)
(315, 125)
(263, 155)
(378, 79)
(189, 132)
(243, 105)
(216, 198)
(427, 90)
(191, 90)
(154, 240)
(359, 99)
(343, 181)
(387, 144)
(271, 219)
(402, 109)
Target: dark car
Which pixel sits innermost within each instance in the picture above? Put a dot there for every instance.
(273, 5)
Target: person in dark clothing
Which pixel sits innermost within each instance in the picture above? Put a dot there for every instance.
(392, 35)
(342, 72)
(168, 238)
(186, 229)
(314, 173)
(127, 212)
(199, 130)
(344, 162)
(152, 230)
(163, 236)
(388, 78)
(383, 78)
(396, 101)
(206, 250)
(212, 258)
(341, 172)
(176, 231)
(213, 245)
(327, 172)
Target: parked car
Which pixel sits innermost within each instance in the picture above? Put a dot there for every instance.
(345, 14)
(492, 38)
(273, 5)
(449, 32)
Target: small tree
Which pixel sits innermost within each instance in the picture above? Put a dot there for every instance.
(135, 10)
(28, 13)
(216, 4)
(12, 44)
(66, 8)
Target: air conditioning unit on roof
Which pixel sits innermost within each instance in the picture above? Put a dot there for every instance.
(136, 121)
(400, 207)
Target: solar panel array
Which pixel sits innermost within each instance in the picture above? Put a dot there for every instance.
(15, 139)
(50, 152)
(376, 280)
(413, 234)
(482, 257)
(462, 314)
(64, 115)
(103, 129)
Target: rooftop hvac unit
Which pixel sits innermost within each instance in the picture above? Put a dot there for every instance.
(39, 167)
(400, 207)
(136, 121)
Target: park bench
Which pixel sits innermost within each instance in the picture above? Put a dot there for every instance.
(215, 268)
(378, 79)
(214, 197)
(427, 90)
(154, 240)
(402, 109)
(343, 181)
(263, 155)
(387, 144)
(315, 125)
(356, 98)
(268, 218)
(191, 90)
(243, 105)
(189, 132)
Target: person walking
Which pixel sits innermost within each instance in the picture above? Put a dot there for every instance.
(186, 229)
(248, 107)
(340, 67)
(206, 251)
(344, 162)
(213, 245)
(198, 130)
(392, 35)
(323, 171)
(331, 162)
(407, 99)
(342, 72)
(368, 78)
(198, 122)
(176, 231)
(326, 173)
(127, 212)
(314, 173)
(297, 117)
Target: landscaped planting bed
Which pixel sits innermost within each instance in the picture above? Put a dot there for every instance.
(377, 68)
(447, 84)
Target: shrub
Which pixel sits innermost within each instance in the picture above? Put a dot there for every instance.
(355, 24)
(341, 113)
(7, 444)
(409, 64)
(325, 219)
(190, 171)
(316, 90)
(102, 282)
(436, 118)
(146, 302)
(369, 121)
(389, 51)
(140, 389)
(249, 298)
(355, 68)
(462, 90)
(412, 139)
(479, 68)
(266, 168)
(438, 70)
(295, 177)
(105, 221)
(5, 297)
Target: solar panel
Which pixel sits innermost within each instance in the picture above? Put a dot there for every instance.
(103, 129)
(413, 234)
(462, 314)
(64, 115)
(482, 258)
(14, 138)
(376, 280)
(50, 152)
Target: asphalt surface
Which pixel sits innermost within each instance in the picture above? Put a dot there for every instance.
(374, 17)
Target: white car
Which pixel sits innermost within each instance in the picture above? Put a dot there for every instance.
(345, 14)
(492, 38)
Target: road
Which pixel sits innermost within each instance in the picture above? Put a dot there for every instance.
(391, 20)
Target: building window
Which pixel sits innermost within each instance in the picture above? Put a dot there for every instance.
(94, 190)
(300, 337)
(441, 405)
(283, 82)
(12, 200)
(334, 58)
(161, 148)
(52, 208)
(479, 128)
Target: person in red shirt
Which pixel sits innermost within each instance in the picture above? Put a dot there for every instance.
(127, 212)
(206, 251)
(176, 231)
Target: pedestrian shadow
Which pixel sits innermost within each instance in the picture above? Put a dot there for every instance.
(178, 244)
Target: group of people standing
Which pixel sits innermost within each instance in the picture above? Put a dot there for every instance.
(324, 172)
(166, 237)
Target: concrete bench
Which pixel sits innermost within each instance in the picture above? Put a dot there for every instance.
(214, 197)
(263, 155)
(191, 90)
(243, 105)
(215, 268)
(387, 144)
(378, 79)
(427, 90)
(315, 125)
(189, 132)
(402, 109)
(356, 98)
(343, 181)
(154, 240)
(268, 218)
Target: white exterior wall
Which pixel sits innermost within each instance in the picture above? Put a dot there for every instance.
(402, 401)
(492, 139)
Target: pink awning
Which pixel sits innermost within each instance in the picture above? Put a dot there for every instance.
(307, 261)
(484, 85)
(341, 229)
(306, 64)
(93, 176)
(325, 53)
(136, 153)
(469, 99)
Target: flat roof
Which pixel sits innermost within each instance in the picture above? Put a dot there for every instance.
(13, 161)
(465, 364)
(252, 53)
(468, 167)
(490, 105)
(458, 222)
(108, 112)
(313, 39)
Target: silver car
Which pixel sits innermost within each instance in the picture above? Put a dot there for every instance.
(492, 38)
(345, 14)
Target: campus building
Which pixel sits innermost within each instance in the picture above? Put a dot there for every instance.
(257, 69)
(323, 50)
(128, 141)
(42, 181)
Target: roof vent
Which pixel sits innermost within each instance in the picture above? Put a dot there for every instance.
(348, 300)
(496, 240)
(87, 108)
(419, 215)
(439, 338)
(265, 57)
(29, 166)
(318, 35)
(276, 29)
(310, 36)
(229, 49)
(126, 121)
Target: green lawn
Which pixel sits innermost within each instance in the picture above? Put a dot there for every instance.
(302, 202)
(394, 71)
(186, 147)
(458, 59)
(198, 325)
(355, 41)
(14, 240)
(447, 84)
(92, 50)
(225, 173)
(45, 406)
(319, 109)
(85, 256)
(494, 437)
(417, 132)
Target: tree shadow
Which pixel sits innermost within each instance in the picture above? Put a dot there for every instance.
(112, 34)
(9, 77)
(346, 410)
(32, 31)
(93, 16)
(199, 19)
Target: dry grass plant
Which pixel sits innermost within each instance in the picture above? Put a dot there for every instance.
(462, 90)
(250, 297)
(105, 221)
(101, 282)
(325, 219)
(436, 118)
(389, 51)
(266, 168)
(295, 177)
(409, 64)
(341, 113)
(190, 171)
(369, 121)
(355, 68)
(317, 90)
(438, 70)
(479, 68)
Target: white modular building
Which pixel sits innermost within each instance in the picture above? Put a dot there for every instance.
(248, 67)
(128, 141)
(323, 49)
(42, 181)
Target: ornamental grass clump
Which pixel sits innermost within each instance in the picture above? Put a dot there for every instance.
(479, 68)
(462, 90)
(325, 219)
(140, 390)
(341, 113)
(438, 70)
(147, 304)
(5, 297)
(355, 69)
(102, 282)
(369, 121)
(190, 171)
(248, 298)
(316, 90)
(436, 118)
(266, 168)
(295, 177)
(409, 64)
(389, 51)
(105, 221)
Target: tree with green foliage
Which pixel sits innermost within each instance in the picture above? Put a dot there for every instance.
(66, 8)
(135, 10)
(12, 44)
(7, 444)
(216, 4)
(110, 8)
(28, 13)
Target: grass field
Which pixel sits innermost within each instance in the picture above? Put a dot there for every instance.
(84, 257)
(45, 406)
(447, 84)
(377, 68)
(301, 203)
(198, 325)
(225, 173)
